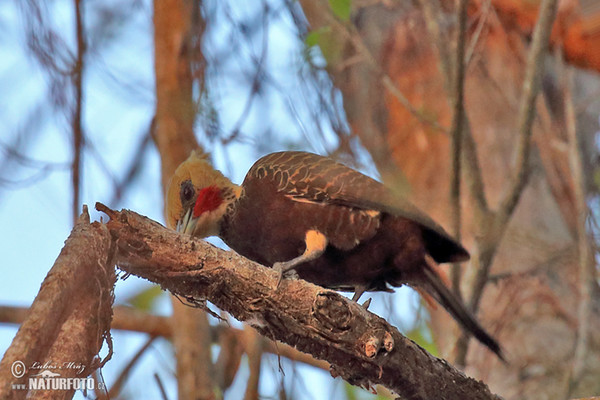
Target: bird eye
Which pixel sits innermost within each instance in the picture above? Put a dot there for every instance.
(187, 192)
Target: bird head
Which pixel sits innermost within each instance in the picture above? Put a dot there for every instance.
(198, 197)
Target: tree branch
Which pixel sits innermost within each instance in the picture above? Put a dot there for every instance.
(458, 113)
(588, 284)
(254, 344)
(349, 33)
(70, 317)
(77, 78)
(361, 347)
(474, 178)
(531, 84)
(115, 390)
(495, 224)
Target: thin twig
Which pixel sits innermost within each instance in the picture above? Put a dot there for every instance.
(495, 224)
(453, 74)
(433, 14)
(531, 84)
(533, 73)
(349, 32)
(456, 131)
(77, 77)
(473, 175)
(484, 12)
(458, 117)
(134, 168)
(118, 385)
(161, 387)
(259, 75)
(587, 271)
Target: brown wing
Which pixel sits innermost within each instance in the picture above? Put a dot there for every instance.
(310, 177)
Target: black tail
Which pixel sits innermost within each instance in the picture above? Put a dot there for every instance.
(458, 310)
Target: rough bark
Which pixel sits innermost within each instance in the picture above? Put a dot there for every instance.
(70, 317)
(361, 347)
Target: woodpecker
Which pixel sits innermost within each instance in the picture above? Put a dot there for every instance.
(332, 225)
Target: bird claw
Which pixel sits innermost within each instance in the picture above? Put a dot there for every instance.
(278, 267)
(282, 269)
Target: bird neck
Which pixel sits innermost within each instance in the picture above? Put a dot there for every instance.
(231, 203)
(231, 194)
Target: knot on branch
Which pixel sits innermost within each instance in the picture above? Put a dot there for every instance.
(372, 342)
(138, 247)
(332, 311)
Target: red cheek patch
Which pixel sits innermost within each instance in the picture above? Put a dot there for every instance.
(209, 199)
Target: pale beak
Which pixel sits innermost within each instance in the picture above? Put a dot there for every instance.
(187, 224)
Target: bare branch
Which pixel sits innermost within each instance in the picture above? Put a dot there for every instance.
(433, 14)
(458, 119)
(495, 224)
(118, 385)
(531, 84)
(453, 73)
(349, 33)
(77, 77)
(257, 79)
(70, 316)
(161, 387)
(473, 175)
(134, 167)
(588, 285)
(458, 113)
(361, 347)
(254, 344)
(484, 13)
(533, 74)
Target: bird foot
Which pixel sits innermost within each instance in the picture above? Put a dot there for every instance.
(282, 269)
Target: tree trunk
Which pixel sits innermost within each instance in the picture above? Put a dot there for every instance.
(175, 24)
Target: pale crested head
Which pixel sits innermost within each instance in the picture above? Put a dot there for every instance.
(198, 196)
